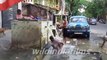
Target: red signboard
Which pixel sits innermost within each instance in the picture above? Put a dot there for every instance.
(5, 4)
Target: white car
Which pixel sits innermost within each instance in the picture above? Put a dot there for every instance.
(93, 21)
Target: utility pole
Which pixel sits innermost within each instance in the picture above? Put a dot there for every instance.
(0, 19)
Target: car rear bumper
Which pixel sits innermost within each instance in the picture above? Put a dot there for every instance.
(93, 23)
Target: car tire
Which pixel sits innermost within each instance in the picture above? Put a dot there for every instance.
(88, 35)
(95, 23)
(70, 36)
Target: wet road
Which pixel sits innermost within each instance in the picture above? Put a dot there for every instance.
(93, 44)
(83, 44)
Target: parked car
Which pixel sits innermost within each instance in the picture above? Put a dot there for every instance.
(93, 21)
(78, 25)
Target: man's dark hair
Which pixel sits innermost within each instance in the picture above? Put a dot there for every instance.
(63, 17)
(51, 38)
(18, 11)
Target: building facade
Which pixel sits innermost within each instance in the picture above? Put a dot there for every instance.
(8, 15)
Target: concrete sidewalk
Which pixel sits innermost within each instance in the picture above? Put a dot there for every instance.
(8, 54)
(5, 40)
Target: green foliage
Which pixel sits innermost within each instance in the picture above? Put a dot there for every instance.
(96, 8)
(93, 9)
(74, 5)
